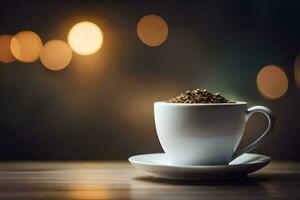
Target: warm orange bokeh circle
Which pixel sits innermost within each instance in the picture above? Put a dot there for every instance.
(272, 82)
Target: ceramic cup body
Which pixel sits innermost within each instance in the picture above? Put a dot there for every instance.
(200, 134)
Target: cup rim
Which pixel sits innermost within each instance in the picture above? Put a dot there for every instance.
(236, 103)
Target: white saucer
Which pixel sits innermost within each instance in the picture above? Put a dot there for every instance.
(158, 165)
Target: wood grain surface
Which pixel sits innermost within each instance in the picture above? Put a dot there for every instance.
(118, 180)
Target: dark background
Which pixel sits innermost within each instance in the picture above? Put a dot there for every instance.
(101, 106)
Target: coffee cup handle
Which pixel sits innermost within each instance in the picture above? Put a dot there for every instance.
(268, 113)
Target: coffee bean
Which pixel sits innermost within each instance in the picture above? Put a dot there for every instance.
(199, 96)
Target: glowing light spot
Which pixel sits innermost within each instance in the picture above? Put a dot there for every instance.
(85, 38)
(152, 30)
(26, 46)
(272, 82)
(297, 70)
(5, 54)
(56, 55)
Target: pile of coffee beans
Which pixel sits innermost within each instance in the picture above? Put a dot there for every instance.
(199, 96)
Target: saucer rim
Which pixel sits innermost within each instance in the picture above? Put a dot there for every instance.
(266, 160)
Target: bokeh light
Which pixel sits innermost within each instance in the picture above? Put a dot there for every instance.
(26, 46)
(56, 55)
(85, 38)
(152, 30)
(5, 54)
(297, 70)
(272, 82)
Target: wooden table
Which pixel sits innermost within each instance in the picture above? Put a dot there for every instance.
(118, 180)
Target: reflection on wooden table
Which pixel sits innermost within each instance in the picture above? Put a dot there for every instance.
(118, 180)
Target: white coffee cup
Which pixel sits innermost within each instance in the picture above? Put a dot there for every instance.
(205, 134)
